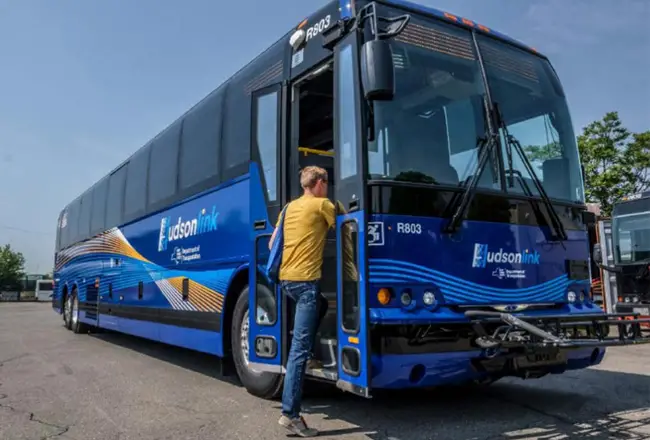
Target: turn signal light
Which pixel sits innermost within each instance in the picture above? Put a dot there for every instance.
(383, 296)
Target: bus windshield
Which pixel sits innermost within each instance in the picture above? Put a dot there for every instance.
(429, 132)
(632, 238)
(533, 106)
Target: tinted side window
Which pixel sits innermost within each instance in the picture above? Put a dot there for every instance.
(73, 222)
(199, 158)
(64, 227)
(135, 197)
(164, 160)
(99, 207)
(237, 124)
(266, 141)
(115, 197)
(83, 229)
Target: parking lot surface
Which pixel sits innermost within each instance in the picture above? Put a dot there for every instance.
(58, 385)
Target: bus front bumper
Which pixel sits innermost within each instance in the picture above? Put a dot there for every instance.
(503, 345)
(560, 331)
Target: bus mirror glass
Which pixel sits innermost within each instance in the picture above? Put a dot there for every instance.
(597, 254)
(377, 74)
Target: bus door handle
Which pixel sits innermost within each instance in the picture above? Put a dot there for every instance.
(259, 224)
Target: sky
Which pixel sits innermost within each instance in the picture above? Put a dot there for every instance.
(83, 84)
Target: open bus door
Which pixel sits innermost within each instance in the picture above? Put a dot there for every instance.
(353, 352)
(264, 332)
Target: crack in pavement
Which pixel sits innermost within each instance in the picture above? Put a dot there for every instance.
(4, 361)
(32, 418)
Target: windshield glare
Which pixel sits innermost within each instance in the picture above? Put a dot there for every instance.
(632, 238)
(429, 132)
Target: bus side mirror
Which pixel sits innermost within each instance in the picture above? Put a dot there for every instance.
(597, 254)
(377, 73)
(588, 218)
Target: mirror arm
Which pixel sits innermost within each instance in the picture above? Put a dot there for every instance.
(608, 268)
(369, 12)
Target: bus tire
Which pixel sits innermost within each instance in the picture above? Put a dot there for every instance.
(76, 325)
(258, 383)
(67, 310)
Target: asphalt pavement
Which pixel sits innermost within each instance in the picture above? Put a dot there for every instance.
(58, 385)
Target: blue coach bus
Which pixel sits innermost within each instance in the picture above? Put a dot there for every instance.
(460, 252)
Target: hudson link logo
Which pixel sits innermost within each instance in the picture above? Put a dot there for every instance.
(204, 222)
(483, 256)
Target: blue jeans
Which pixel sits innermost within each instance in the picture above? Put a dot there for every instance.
(308, 300)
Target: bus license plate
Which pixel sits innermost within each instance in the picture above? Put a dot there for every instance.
(643, 311)
(541, 359)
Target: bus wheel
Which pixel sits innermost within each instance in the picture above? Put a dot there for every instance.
(258, 383)
(67, 311)
(76, 325)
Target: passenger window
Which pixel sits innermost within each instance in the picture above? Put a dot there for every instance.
(266, 141)
(136, 183)
(115, 197)
(84, 216)
(99, 207)
(200, 145)
(347, 135)
(236, 137)
(164, 160)
(72, 222)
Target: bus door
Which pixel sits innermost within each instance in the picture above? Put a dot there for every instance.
(266, 198)
(350, 164)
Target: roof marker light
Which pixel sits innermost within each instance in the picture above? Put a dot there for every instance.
(483, 28)
(451, 16)
(468, 22)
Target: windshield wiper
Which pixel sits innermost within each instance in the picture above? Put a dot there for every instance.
(511, 141)
(485, 145)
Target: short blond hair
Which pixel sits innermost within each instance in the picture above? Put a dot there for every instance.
(310, 175)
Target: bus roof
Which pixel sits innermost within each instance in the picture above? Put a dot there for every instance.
(461, 21)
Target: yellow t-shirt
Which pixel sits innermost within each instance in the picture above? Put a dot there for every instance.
(306, 222)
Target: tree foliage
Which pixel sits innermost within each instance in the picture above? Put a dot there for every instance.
(12, 266)
(616, 161)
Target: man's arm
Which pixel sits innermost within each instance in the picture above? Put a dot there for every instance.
(275, 231)
(327, 209)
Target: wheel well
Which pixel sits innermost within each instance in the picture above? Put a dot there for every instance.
(234, 290)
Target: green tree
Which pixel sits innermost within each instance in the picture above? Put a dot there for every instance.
(540, 153)
(613, 161)
(12, 266)
(637, 161)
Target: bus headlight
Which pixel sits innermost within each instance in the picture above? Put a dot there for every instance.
(429, 298)
(405, 298)
(571, 296)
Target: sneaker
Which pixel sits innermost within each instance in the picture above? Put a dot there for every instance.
(297, 426)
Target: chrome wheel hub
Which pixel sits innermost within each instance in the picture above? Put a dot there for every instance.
(67, 309)
(75, 310)
(243, 341)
